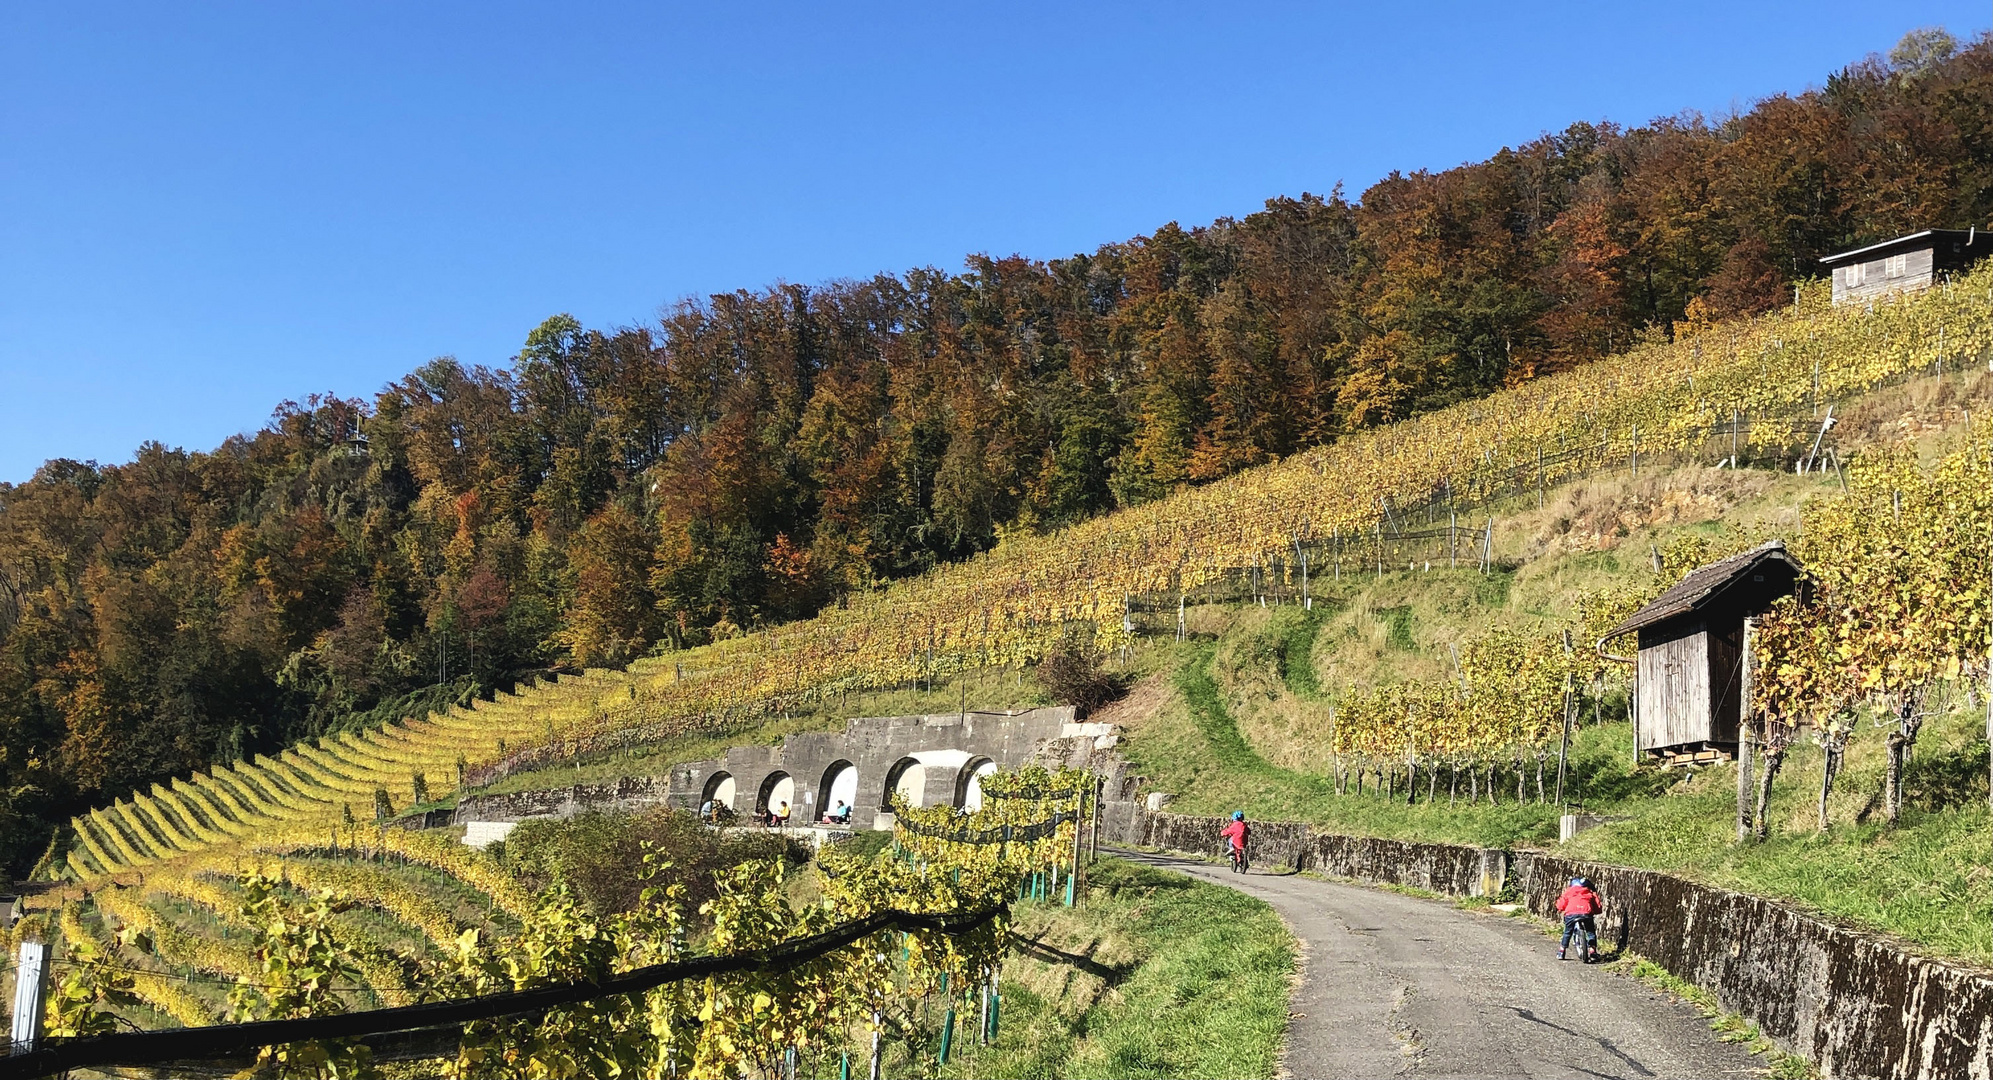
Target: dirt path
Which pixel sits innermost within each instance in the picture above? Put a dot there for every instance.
(1393, 985)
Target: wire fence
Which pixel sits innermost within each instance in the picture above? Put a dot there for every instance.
(996, 834)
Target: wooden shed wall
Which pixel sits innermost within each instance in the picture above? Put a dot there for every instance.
(1862, 281)
(1674, 685)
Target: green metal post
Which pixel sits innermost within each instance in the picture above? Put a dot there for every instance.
(947, 1033)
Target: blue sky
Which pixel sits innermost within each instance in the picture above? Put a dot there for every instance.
(206, 209)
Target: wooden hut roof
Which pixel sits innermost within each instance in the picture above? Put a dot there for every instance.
(1701, 585)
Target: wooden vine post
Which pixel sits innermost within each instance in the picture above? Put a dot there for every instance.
(1746, 735)
(1564, 743)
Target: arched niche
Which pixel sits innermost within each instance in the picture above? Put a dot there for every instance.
(839, 784)
(776, 788)
(968, 786)
(904, 779)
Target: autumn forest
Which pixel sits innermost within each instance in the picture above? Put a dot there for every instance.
(752, 456)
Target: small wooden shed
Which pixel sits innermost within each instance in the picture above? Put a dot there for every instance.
(1905, 264)
(1688, 678)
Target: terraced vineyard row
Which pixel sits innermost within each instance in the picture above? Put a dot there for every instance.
(332, 780)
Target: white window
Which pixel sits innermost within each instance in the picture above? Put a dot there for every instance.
(1896, 266)
(1854, 274)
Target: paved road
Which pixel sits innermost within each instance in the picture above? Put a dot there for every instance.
(1397, 986)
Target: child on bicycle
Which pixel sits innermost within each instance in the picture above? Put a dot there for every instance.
(1579, 903)
(1234, 835)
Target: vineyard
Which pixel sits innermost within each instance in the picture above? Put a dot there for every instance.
(365, 919)
(334, 781)
(278, 888)
(1720, 393)
(1902, 567)
(1715, 394)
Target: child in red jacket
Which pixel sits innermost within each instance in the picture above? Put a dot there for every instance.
(1578, 904)
(1234, 835)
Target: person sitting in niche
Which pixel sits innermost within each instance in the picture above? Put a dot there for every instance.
(839, 815)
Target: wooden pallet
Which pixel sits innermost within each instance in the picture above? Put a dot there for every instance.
(1693, 754)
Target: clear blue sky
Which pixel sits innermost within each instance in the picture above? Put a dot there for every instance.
(208, 208)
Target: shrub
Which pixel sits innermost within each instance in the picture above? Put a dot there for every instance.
(597, 854)
(1072, 674)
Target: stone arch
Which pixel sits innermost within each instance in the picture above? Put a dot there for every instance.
(776, 787)
(840, 782)
(719, 789)
(968, 791)
(904, 770)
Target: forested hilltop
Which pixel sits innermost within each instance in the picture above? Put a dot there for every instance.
(752, 457)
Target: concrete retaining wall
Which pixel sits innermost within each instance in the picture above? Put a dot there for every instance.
(946, 749)
(1857, 1005)
(628, 793)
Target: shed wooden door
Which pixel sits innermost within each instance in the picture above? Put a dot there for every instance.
(1674, 686)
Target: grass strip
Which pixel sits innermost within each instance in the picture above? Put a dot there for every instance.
(1158, 975)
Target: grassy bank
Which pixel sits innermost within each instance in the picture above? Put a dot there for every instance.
(1158, 975)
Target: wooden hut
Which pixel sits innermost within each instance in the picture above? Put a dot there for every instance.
(1905, 264)
(1688, 678)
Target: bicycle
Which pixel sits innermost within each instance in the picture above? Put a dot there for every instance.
(1238, 858)
(1585, 929)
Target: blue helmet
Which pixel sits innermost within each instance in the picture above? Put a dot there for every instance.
(1577, 881)
(1238, 815)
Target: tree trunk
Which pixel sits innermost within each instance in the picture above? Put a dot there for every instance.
(1453, 787)
(1411, 782)
(1774, 758)
(1432, 784)
(1539, 780)
(1492, 801)
(1473, 787)
(1519, 782)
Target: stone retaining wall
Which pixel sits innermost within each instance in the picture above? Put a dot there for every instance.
(1855, 1004)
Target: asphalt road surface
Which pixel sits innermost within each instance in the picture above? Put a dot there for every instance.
(1392, 985)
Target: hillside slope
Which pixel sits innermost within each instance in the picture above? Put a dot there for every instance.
(1244, 714)
(1753, 386)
